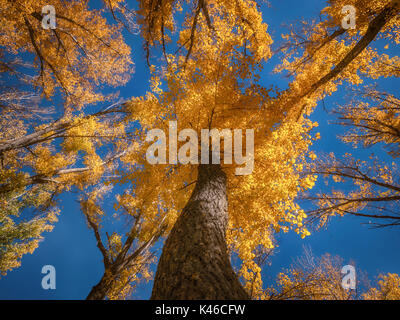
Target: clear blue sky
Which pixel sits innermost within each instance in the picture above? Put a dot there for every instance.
(71, 247)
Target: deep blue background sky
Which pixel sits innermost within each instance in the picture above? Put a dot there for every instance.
(71, 247)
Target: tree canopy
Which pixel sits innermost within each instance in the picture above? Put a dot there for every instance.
(62, 131)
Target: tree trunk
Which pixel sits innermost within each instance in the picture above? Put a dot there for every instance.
(99, 291)
(195, 264)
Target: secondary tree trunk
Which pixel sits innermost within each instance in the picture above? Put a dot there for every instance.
(195, 261)
(99, 291)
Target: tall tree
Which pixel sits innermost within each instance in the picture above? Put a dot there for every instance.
(213, 83)
(126, 259)
(45, 150)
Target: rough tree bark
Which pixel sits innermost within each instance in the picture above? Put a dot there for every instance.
(195, 261)
(99, 291)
